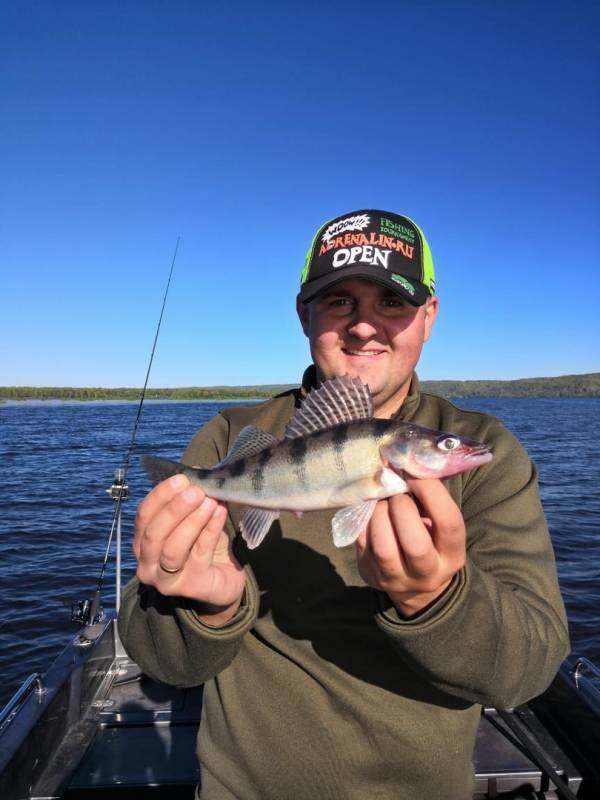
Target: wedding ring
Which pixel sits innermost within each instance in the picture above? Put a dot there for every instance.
(170, 571)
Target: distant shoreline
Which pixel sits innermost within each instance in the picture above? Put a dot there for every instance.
(584, 385)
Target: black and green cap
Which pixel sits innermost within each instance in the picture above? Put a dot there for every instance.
(380, 246)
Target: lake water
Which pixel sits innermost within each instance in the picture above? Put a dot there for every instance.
(57, 460)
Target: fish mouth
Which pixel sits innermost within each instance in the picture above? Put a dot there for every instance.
(480, 454)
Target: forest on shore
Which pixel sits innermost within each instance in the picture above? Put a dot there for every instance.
(585, 385)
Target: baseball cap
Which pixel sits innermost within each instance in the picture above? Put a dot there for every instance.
(380, 246)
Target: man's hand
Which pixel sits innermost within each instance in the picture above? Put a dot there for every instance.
(412, 548)
(182, 549)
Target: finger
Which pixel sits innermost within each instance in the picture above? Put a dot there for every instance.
(159, 496)
(381, 538)
(364, 540)
(205, 546)
(176, 572)
(176, 548)
(154, 501)
(447, 524)
(414, 539)
(379, 546)
(170, 516)
(378, 558)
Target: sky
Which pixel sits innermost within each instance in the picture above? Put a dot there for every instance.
(241, 127)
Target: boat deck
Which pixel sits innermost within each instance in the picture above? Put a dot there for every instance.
(106, 730)
(147, 738)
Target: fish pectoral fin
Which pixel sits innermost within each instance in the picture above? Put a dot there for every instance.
(335, 402)
(250, 441)
(255, 525)
(349, 522)
(392, 482)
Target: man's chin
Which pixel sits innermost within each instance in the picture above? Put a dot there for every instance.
(368, 373)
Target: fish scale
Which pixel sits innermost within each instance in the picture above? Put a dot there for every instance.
(298, 472)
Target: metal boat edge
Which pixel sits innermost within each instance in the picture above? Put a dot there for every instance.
(52, 712)
(93, 727)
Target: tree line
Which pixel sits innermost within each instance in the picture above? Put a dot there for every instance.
(132, 393)
(586, 385)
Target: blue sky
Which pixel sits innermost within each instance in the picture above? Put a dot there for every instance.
(241, 127)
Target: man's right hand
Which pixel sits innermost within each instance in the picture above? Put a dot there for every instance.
(183, 550)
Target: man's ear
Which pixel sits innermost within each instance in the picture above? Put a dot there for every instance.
(302, 311)
(431, 310)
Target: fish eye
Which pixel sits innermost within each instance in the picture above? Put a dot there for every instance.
(448, 443)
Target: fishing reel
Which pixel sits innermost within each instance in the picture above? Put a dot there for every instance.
(89, 611)
(119, 490)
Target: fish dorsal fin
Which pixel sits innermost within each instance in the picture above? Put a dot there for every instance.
(250, 441)
(336, 401)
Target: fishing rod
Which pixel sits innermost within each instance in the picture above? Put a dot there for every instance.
(87, 612)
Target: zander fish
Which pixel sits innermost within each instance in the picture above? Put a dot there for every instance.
(334, 454)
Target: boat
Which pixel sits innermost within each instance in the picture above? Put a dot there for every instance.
(94, 726)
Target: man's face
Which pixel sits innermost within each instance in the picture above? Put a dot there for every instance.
(360, 328)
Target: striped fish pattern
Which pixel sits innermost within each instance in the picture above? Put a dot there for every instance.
(334, 454)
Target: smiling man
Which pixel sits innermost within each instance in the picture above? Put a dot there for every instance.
(354, 672)
(363, 329)
(369, 313)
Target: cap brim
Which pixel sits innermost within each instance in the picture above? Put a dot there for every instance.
(312, 288)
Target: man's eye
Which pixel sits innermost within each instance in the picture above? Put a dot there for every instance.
(393, 302)
(339, 301)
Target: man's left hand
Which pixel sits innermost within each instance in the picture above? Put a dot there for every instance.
(413, 545)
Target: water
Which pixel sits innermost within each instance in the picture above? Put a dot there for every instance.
(58, 460)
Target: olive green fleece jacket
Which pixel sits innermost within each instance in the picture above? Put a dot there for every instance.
(317, 689)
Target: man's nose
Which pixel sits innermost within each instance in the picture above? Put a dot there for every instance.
(362, 325)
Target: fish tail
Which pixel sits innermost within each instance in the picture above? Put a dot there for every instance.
(159, 469)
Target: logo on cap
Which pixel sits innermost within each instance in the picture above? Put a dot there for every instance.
(403, 282)
(357, 223)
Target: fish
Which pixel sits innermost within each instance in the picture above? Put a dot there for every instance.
(334, 454)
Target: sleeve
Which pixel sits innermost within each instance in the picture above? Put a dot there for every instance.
(499, 634)
(164, 635)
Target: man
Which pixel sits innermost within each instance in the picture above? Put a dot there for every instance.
(354, 672)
